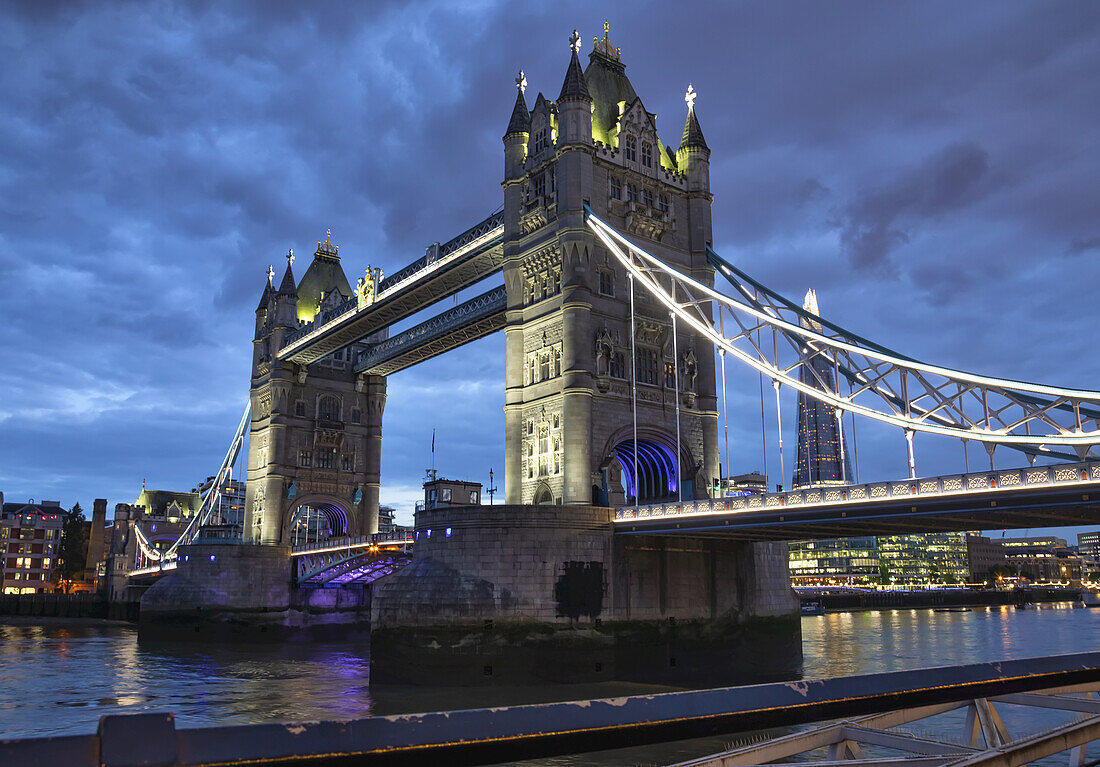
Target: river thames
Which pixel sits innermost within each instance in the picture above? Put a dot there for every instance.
(60, 678)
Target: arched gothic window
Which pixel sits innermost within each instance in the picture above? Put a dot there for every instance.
(328, 409)
(647, 154)
(630, 148)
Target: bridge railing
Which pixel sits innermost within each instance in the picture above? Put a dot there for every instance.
(951, 484)
(352, 542)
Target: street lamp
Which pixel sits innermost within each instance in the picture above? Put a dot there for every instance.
(491, 490)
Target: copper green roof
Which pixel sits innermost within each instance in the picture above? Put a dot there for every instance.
(607, 85)
(324, 275)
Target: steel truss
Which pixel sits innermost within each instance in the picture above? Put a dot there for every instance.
(776, 337)
(359, 560)
(985, 738)
(206, 508)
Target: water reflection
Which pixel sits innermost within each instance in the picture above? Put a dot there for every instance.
(58, 679)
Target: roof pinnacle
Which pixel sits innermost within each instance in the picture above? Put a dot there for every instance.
(290, 258)
(574, 87)
(271, 275)
(604, 46)
(521, 81)
(689, 97)
(575, 41)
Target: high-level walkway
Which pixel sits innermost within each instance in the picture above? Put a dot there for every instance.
(443, 271)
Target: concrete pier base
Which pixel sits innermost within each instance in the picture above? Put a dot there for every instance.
(246, 592)
(515, 594)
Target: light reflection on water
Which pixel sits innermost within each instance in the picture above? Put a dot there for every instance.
(59, 679)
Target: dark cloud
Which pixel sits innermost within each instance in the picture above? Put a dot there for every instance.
(876, 223)
(1082, 245)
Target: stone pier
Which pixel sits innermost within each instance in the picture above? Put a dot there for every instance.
(515, 594)
(245, 592)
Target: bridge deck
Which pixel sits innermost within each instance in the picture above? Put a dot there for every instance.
(461, 262)
(1042, 496)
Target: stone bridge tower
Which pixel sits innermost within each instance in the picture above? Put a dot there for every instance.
(568, 391)
(315, 441)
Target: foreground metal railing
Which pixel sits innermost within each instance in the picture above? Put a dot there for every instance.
(1087, 473)
(489, 736)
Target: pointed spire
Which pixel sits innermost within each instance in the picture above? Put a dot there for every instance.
(521, 118)
(574, 88)
(288, 286)
(693, 134)
(269, 288)
(809, 304)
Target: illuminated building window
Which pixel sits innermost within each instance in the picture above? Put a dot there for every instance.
(616, 189)
(670, 375)
(647, 154)
(630, 148)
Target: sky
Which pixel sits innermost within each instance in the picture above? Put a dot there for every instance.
(930, 168)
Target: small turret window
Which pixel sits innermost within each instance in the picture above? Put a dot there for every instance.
(630, 148)
(607, 283)
(616, 189)
(647, 154)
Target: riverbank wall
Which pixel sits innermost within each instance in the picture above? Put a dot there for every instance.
(884, 600)
(530, 594)
(67, 606)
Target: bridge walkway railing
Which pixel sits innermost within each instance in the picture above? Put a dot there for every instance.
(1084, 473)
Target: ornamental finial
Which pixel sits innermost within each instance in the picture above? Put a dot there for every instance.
(689, 97)
(290, 257)
(575, 42)
(270, 275)
(521, 81)
(604, 46)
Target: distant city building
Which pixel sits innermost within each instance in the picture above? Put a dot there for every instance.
(385, 519)
(742, 484)
(985, 557)
(823, 461)
(164, 514)
(926, 558)
(835, 562)
(1042, 558)
(229, 509)
(29, 541)
(822, 452)
(1089, 543)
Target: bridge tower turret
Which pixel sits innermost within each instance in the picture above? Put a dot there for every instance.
(568, 411)
(314, 452)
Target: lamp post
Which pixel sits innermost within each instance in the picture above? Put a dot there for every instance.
(491, 489)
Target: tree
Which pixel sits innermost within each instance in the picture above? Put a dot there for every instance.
(71, 554)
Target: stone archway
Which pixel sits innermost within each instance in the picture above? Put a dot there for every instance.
(658, 472)
(544, 496)
(316, 517)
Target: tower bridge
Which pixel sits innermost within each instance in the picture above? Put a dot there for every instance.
(616, 338)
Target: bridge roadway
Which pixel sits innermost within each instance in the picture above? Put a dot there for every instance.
(474, 255)
(351, 560)
(1040, 496)
(492, 736)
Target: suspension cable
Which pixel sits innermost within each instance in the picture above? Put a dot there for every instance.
(676, 382)
(634, 395)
